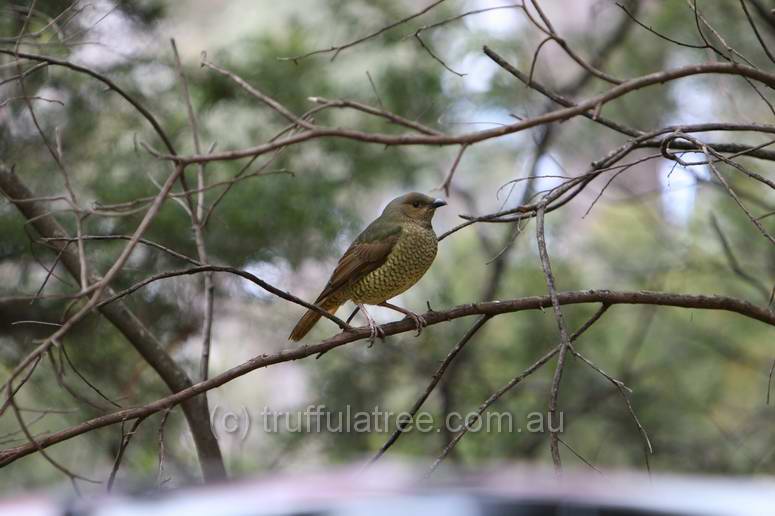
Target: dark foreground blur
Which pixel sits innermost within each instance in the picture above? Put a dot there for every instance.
(397, 490)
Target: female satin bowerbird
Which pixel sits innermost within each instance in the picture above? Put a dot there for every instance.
(386, 259)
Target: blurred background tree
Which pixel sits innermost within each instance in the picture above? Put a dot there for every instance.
(699, 378)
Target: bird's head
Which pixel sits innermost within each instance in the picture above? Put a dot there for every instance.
(414, 206)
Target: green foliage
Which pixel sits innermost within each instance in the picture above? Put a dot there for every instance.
(698, 379)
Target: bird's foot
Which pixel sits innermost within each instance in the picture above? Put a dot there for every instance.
(376, 331)
(419, 322)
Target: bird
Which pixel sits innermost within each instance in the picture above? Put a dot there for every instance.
(385, 259)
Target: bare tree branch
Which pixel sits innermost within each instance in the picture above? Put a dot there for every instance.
(491, 308)
(130, 326)
(197, 218)
(564, 338)
(478, 136)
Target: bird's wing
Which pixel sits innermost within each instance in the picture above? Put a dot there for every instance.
(367, 253)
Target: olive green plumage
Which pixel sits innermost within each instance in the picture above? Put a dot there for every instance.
(386, 259)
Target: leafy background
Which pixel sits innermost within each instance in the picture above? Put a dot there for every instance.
(699, 378)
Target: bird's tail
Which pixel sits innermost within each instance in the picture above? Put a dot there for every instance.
(309, 319)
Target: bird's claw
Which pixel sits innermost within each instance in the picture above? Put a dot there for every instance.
(375, 331)
(419, 322)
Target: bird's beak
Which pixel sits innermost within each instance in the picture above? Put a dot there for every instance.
(438, 203)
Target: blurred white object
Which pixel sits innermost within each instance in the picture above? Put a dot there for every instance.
(390, 489)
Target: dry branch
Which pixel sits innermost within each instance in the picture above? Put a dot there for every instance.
(587, 106)
(491, 308)
(128, 324)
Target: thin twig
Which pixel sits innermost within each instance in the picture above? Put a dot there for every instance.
(463, 15)
(511, 384)
(734, 265)
(197, 217)
(624, 391)
(337, 49)
(572, 53)
(401, 427)
(658, 34)
(144, 241)
(448, 180)
(125, 438)
(564, 339)
(756, 31)
(93, 387)
(708, 153)
(435, 57)
(215, 268)
(579, 456)
(40, 449)
(160, 475)
(266, 99)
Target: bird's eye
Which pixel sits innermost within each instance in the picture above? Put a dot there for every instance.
(416, 204)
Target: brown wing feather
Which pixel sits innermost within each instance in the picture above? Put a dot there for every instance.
(360, 259)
